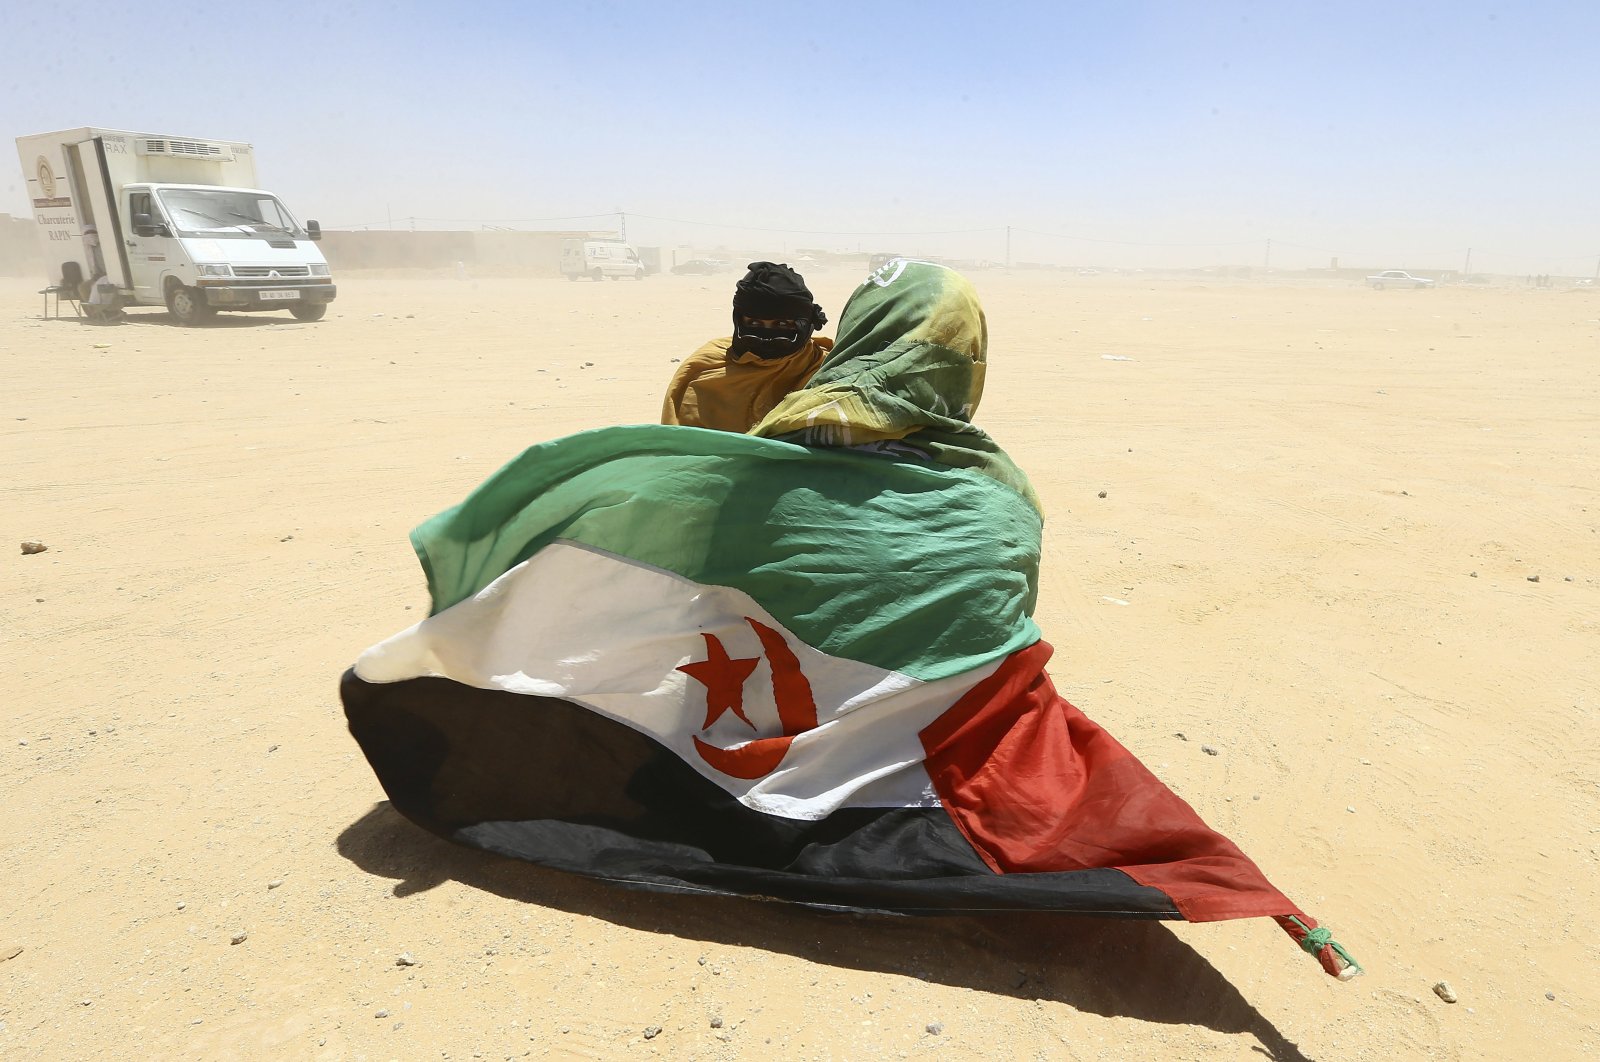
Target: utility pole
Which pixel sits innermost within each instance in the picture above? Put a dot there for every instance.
(1466, 270)
(622, 223)
(1008, 246)
(1267, 265)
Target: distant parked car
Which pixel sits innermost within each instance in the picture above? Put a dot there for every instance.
(1397, 278)
(700, 267)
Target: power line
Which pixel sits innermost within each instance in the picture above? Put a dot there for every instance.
(480, 221)
(1447, 253)
(678, 221)
(1347, 253)
(1543, 257)
(821, 232)
(1140, 243)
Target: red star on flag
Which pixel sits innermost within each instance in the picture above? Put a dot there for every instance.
(723, 679)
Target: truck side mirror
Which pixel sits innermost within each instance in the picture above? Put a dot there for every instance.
(313, 230)
(145, 225)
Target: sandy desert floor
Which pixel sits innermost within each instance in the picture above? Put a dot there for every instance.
(1349, 539)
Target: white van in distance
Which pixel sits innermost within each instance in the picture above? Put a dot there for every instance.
(173, 221)
(598, 259)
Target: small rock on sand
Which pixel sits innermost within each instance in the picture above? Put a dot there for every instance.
(30, 548)
(1445, 992)
(239, 937)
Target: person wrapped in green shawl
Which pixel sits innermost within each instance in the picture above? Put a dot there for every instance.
(905, 376)
(798, 664)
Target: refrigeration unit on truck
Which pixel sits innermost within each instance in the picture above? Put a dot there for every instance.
(173, 221)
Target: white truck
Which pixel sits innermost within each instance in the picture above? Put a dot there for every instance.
(599, 259)
(174, 221)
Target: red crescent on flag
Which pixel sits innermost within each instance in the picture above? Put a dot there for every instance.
(753, 759)
(797, 708)
(797, 713)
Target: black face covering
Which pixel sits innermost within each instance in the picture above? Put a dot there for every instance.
(769, 343)
(773, 292)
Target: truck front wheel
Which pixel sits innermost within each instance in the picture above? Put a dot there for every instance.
(311, 311)
(187, 306)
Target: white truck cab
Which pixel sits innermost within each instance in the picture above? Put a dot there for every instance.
(599, 259)
(171, 221)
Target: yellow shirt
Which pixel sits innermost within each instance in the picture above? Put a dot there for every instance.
(709, 391)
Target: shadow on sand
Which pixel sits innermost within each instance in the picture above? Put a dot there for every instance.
(166, 320)
(1133, 968)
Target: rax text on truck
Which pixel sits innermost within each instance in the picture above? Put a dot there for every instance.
(170, 221)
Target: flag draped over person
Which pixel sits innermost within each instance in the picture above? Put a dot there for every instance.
(797, 665)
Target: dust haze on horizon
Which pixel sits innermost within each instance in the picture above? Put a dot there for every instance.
(1397, 135)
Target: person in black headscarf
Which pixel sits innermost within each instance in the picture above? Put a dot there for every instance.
(731, 383)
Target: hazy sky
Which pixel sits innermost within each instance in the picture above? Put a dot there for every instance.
(1389, 134)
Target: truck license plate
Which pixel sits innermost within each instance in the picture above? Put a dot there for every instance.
(286, 294)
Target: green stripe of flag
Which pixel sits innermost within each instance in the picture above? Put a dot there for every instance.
(914, 567)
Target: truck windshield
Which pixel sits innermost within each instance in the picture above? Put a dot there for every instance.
(227, 213)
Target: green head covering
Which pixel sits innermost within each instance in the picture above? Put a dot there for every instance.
(908, 367)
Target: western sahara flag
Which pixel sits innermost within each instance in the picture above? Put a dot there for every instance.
(692, 661)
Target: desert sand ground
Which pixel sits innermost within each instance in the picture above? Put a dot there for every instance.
(1324, 512)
